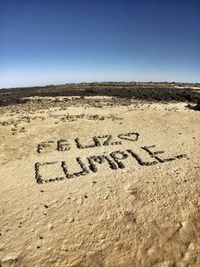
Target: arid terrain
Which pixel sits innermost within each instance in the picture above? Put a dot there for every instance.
(100, 175)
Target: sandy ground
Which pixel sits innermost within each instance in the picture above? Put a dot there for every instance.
(83, 185)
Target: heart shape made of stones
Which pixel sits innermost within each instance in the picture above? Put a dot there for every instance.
(131, 136)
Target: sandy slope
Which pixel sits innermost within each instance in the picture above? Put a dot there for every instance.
(129, 199)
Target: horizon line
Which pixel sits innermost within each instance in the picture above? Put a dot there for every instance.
(100, 82)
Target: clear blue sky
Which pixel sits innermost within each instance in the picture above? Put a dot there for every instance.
(51, 42)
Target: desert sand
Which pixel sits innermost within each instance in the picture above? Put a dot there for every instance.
(91, 181)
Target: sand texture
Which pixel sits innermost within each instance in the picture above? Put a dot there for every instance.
(93, 181)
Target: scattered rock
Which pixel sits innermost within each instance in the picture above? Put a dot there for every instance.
(71, 220)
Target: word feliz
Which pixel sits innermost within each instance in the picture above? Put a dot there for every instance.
(115, 160)
(97, 141)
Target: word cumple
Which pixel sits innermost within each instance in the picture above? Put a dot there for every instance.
(97, 141)
(114, 160)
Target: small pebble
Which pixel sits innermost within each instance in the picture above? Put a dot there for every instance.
(71, 220)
